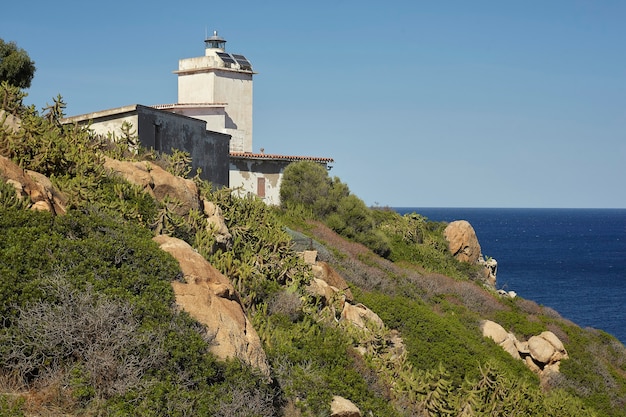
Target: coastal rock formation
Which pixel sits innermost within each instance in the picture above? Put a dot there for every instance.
(209, 297)
(342, 407)
(321, 288)
(182, 193)
(546, 349)
(506, 340)
(490, 270)
(159, 183)
(464, 246)
(542, 353)
(37, 187)
(462, 241)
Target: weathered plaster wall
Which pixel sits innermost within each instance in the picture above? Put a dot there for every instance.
(164, 131)
(245, 174)
(112, 123)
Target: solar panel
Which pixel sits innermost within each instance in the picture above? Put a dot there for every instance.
(226, 58)
(243, 62)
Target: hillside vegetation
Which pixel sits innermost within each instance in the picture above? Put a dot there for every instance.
(91, 326)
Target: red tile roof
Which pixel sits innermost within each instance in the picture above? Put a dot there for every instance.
(267, 156)
(186, 105)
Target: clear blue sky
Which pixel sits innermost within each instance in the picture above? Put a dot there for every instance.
(420, 103)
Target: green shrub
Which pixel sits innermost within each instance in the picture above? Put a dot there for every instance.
(312, 363)
(518, 323)
(9, 198)
(307, 183)
(431, 337)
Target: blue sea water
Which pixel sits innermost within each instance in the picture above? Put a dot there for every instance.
(573, 260)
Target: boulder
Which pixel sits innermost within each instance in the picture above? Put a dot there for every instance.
(490, 269)
(159, 183)
(209, 297)
(36, 186)
(217, 225)
(321, 288)
(9, 121)
(540, 349)
(494, 331)
(510, 346)
(506, 340)
(532, 365)
(542, 353)
(325, 272)
(546, 348)
(462, 241)
(522, 347)
(554, 341)
(361, 316)
(342, 407)
(309, 256)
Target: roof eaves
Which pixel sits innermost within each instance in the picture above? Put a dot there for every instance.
(291, 158)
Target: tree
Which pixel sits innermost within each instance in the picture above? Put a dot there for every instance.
(16, 67)
(307, 183)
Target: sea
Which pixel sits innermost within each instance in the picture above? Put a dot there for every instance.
(572, 260)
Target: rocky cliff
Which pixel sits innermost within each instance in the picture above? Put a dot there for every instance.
(339, 330)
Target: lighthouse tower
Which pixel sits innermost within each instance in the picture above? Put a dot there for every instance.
(217, 88)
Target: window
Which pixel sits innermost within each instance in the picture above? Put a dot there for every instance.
(260, 187)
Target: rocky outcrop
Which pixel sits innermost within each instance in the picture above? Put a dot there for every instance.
(342, 407)
(182, 194)
(545, 351)
(209, 297)
(462, 241)
(37, 187)
(159, 183)
(321, 288)
(217, 226)
(490, 270)
(542, 353)
(464, 246)
(361, 316)
(335, 295)
(326, 273)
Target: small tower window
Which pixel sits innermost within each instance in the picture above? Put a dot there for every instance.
(260, 187)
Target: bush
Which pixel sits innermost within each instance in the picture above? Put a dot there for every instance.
(287, 303)
(307, 183)
(9, 198)
(100, 340)
(312, 363)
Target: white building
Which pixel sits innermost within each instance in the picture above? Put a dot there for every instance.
(215, 91)
(217, 88)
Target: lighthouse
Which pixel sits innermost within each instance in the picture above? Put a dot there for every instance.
(217, 88)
